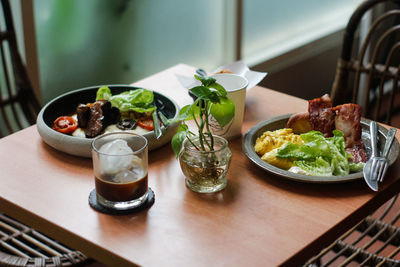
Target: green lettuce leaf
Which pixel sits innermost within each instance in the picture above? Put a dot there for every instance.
(103, 93)
(356, 167)
(319, 167)
(319, 155)
(139, 100)
(315, 146)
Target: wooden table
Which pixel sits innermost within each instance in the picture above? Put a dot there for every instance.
(258, 220)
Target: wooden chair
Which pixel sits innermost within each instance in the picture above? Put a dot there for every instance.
(375, 241)
(21, 245)
(368, 70)
(18, 104)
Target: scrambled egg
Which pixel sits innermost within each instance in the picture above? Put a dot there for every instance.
(270, 141)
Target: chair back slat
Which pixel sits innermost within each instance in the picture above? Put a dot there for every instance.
(19, 105)
(365, 45)
(374, 60)
(5, 119)
(393, 51)
(395, 85)
(367, 68)
(12, 114)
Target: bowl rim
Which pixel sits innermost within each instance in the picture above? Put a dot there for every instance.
(78, 146)
(41, 121)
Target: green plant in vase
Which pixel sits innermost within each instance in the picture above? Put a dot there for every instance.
(205, 158)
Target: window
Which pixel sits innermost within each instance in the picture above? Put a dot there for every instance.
(83, 43)
(271, 28)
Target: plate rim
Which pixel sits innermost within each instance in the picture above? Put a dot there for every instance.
(248, 149)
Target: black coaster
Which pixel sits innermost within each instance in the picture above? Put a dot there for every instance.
(97, 206)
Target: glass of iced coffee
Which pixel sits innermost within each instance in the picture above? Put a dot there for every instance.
(120, 170)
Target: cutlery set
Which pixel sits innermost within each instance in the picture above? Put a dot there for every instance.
(157, 117)
(376, 167)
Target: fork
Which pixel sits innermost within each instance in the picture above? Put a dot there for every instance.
(379, 164)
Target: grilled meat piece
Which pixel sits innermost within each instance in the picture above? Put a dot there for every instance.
(299, 122)
(83, 114)
(101, 115)
(347, 120)
(322, 115)
(95, 124)
(357, 152)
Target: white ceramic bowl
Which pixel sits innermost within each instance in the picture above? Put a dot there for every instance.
(67, 103)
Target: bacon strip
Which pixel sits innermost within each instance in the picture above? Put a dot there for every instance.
(322, 115)
(357, 152)
(347, 120)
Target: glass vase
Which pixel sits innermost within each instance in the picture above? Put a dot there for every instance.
(205, 171)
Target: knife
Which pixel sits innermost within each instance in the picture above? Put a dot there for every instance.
(372, 183)
(389, 140)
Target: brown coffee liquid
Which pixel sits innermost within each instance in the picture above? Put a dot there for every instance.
(121, 192)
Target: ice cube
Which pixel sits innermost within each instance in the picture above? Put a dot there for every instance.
(127, 176)
(117, 157)
(116, 147)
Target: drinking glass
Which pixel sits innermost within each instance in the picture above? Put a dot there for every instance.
(120, 164)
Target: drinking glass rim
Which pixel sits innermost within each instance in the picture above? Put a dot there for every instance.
(239, 88)
(119, 133)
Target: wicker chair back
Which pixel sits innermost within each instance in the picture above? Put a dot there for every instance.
(368, 70)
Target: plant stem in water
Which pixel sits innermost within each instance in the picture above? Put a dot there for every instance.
(193, 144)
(208, 130)
(201, 126)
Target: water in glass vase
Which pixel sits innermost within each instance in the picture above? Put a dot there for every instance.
(205, 171)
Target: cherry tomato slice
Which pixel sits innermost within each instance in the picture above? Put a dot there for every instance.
(65, 124)
(146, 123)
